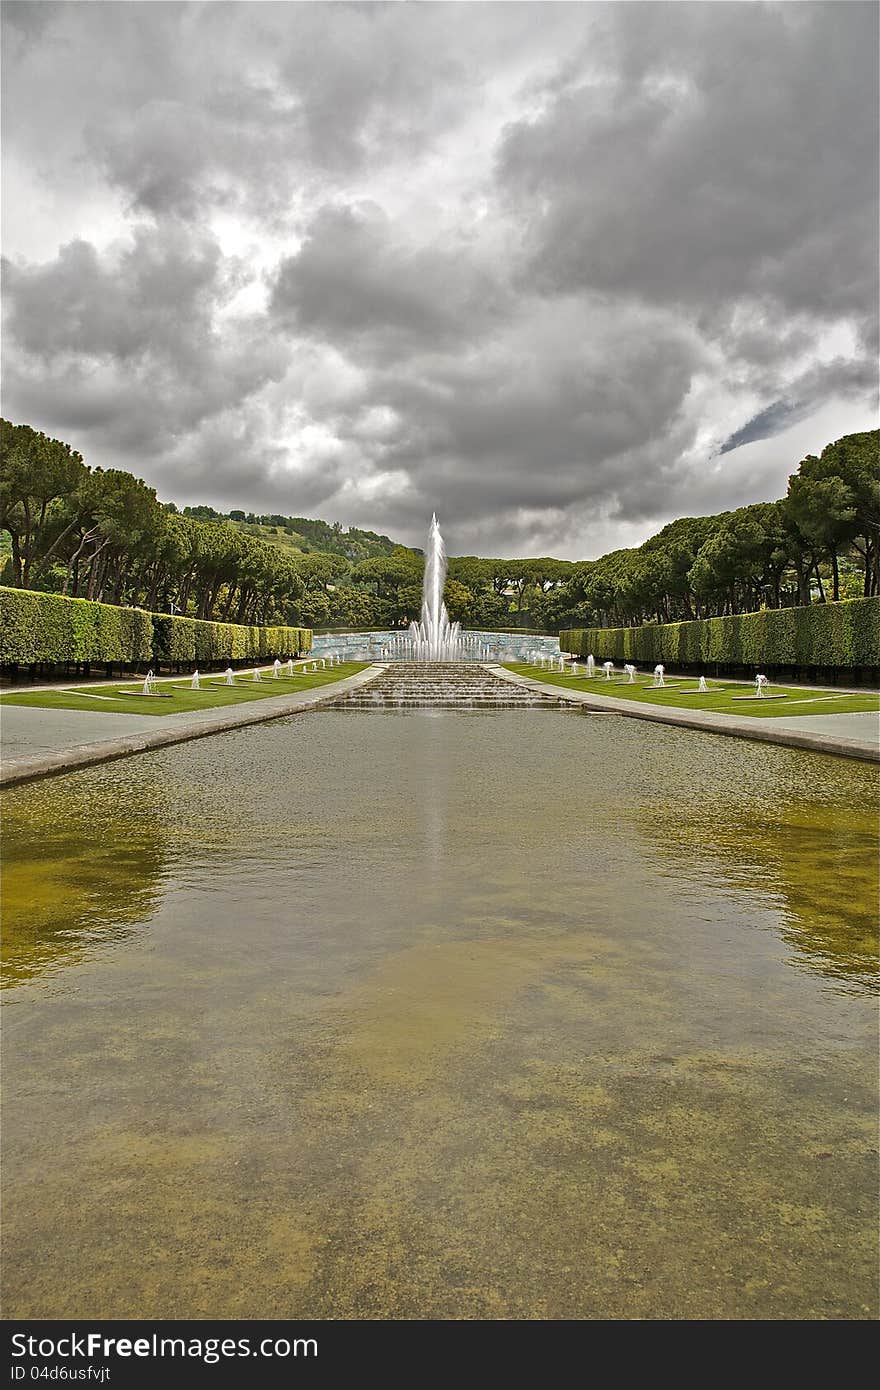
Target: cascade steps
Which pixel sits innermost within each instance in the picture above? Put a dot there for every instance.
(441, 685)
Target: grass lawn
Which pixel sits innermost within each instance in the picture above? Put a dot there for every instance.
(180, 698)
(680, 693)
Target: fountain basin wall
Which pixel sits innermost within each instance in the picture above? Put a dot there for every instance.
(380, 645)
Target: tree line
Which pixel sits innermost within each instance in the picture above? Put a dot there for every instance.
(819, 542)
(102, 534)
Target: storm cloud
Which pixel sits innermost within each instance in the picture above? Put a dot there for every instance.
(561, 272)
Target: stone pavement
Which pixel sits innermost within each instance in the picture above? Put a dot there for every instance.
(864, 727)
(25, 730)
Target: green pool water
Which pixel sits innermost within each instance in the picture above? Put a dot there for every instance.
(437, 1015)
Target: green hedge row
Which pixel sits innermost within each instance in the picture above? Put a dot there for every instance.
(191, 639)
(825, 634)
(50, 628)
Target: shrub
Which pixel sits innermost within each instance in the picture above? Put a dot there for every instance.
(193, 639)
(825, 634)
(862, 642)
(36, 627)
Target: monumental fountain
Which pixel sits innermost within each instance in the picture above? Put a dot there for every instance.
(434, 663)
(435, 638)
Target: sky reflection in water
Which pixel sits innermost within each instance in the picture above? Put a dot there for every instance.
(443, 1015)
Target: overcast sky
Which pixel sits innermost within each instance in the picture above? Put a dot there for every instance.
(560, 271)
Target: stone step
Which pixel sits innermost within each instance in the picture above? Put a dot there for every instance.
(451, 701)
(441, 685)
(427, 693)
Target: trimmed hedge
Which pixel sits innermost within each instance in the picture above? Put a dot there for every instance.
(843, 634)
(50, 628)
(192, 639)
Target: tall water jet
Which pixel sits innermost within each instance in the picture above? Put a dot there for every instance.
(435, 638)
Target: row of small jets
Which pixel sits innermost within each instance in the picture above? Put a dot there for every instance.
(659, 681)
(276, 670)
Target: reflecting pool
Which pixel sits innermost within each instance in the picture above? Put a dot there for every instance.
(443, 1015)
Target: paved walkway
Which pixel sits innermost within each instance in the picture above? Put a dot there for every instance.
(45, 742)
(864, 727)
(26, 730)
(847, 735)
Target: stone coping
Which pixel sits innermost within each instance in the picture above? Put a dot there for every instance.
(181, 728)
(761, 730)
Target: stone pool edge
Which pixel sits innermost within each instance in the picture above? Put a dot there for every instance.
(728, 724)
(31, 767)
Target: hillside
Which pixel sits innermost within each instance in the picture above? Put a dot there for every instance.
(299, 535)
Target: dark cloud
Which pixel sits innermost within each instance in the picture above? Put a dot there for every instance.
(729, 152)
(551, 409)
(354, 280)
(156, 295)
(854, 380)
(185, 106)
(124, 345)
(561, 271)
(766, 423)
